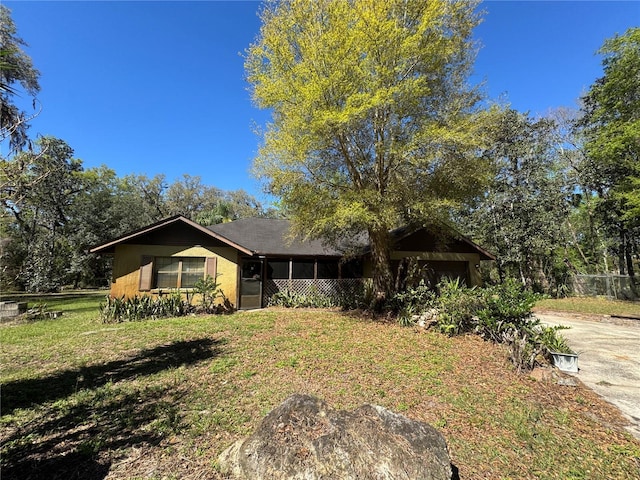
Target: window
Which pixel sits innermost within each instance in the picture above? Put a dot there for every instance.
(192, 271)
(327, 269)
(277, 269)
(167, 272)
(303, 269)
(309, 269)
(174, 272)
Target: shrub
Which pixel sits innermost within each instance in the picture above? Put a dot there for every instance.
(502, 314)
(408, 304)
(358, 295)
(313, 299)
(457, 307)
(523, 350)
(504, 308)
(212, 298)
(116, 310)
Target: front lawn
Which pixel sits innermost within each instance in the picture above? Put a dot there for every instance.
(589, 306)
(162, 398)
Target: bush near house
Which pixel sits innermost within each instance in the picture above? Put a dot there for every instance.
(502, 314)
(211, 299)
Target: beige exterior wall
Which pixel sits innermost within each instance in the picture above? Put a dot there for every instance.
(126, 267)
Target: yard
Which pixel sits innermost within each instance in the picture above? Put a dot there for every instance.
(162, 398)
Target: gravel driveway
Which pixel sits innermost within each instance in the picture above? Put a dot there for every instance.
(608, 361)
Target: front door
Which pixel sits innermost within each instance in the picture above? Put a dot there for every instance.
(251, 284)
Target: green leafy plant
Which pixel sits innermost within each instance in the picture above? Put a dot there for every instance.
(413, 299)
(501, 314)
(212, 298)
(314, 299)
(458, 307)
(116, 310)
(553, 341)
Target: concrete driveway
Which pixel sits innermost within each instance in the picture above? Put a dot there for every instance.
(608, 361)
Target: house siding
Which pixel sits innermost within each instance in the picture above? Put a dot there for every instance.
(126, 267)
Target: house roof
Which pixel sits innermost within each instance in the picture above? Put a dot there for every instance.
(269, 236)
(263, 237)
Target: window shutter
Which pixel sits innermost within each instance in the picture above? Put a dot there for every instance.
(146, 273)
(211, 266)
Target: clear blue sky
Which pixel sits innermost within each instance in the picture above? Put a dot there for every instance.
(158, 87)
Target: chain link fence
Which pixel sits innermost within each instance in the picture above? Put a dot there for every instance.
(612, 286)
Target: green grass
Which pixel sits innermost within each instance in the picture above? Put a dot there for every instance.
(589, 306)
(161, 399)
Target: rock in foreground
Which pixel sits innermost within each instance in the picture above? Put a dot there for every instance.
(304, 438)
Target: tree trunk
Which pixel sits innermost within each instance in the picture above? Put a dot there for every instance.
(382, 275)
(628, 256)
(622, 250)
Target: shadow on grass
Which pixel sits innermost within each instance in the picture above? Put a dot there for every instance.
(27, 393)
(78, 438)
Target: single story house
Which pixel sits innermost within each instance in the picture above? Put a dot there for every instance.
(254, 258)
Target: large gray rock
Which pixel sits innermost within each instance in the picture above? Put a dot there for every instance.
(304, 438)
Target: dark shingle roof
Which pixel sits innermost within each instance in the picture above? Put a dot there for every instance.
(268, 236)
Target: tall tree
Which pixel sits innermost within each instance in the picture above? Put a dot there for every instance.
(589, 243)
(611, 126)
(188, 196)
(39, 190)
(522, 216)
(373, 118)
(16, 71)
(208, 205)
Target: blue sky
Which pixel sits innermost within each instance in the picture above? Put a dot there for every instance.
(158, 87)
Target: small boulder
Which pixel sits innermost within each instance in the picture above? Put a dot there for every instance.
(304, 438)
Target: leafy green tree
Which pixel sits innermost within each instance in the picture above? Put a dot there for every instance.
(244, 205)
(230, 206)
(188, 196)
(373, 120)
(611, 127)
(589, 242)
(16, 71)
(522, 217)
(208, 205)
(39, 189)
(104, 209)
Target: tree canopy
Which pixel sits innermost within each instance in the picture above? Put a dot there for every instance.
(16, 71)
(612, 124)
(611, 128)
(522, 216)
(374, 122)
